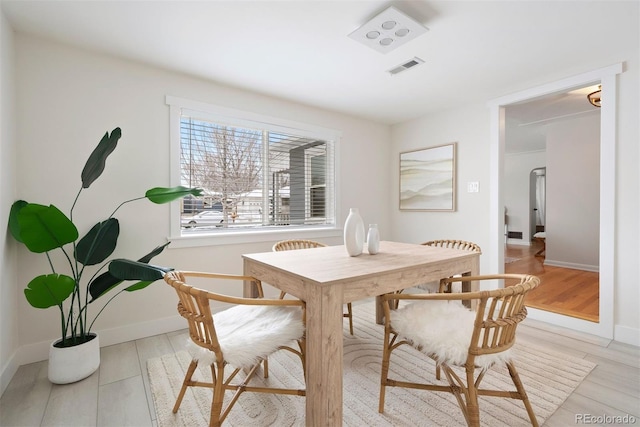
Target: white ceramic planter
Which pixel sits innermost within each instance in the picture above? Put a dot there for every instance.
(71, 364)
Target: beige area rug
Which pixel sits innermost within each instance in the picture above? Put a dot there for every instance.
(549, 379)
(509, 260)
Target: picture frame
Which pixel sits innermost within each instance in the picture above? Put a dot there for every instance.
(428, 179)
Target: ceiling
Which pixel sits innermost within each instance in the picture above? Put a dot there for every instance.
(527, 122)
(299, 50)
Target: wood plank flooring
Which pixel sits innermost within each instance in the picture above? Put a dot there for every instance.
(562, 290)
(118, 393)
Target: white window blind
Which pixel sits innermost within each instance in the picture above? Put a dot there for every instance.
(254, 175)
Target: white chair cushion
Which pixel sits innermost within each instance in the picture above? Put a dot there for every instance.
(247, 333)
(442, 329)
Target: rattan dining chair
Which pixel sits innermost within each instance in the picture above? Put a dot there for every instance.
(295, 244)
(241, 336)
(441, 286)
(454, 336)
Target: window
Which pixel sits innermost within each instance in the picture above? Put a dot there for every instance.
(256, 173)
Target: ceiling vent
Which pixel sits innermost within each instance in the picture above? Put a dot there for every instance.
(402, 67)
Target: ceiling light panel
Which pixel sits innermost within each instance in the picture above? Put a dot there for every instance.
(388, 31)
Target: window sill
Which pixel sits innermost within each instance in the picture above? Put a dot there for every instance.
(241, 237)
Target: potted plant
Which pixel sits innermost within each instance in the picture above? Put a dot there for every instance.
(43, 229)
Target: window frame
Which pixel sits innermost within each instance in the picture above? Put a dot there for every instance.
(201, 110)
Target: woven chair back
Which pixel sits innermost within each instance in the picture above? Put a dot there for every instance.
(293, 244)
(454, 244)
(499, 312)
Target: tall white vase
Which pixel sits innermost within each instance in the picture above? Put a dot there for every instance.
(373, 239)
(354, 233)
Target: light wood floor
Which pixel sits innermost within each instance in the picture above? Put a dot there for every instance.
(118, 394)
(562, 290)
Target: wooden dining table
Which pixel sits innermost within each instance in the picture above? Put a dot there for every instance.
(326, 278)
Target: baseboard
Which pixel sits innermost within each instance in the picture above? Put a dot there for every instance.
(575, 266)
(518, 242)
(627, 335)
(37, 352)
(8, 371)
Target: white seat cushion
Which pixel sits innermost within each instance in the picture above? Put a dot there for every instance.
(247, 333)
(442, 329)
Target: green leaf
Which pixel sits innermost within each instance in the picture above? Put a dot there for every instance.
(49, 290)
(138, 286)
(99, 243)
(125, 269)
(14, 225)
(44, 228)
(107, 281)
(102, 284)
(161, 195)
(155, 252)
(98, 158)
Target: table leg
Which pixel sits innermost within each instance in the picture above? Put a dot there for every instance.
(393, 305)
(249, 289)
(466, 287)
(473, 286)
(379, 310)
(324, 356)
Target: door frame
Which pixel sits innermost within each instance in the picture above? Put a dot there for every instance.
(607, 77)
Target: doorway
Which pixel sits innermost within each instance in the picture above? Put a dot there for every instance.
(607, 78)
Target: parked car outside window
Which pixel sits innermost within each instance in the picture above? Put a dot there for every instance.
(203, 219)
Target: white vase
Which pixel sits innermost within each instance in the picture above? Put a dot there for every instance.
(71, 364)
(373, 239)
(354, 233)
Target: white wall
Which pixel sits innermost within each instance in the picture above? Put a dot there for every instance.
(8, 260)
(627, 224)
(469, 128)
(517, 170)
(68, 98)
(573, 202)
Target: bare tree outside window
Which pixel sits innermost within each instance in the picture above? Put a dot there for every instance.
(224, 161)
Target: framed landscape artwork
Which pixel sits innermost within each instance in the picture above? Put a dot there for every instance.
(428, 179)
